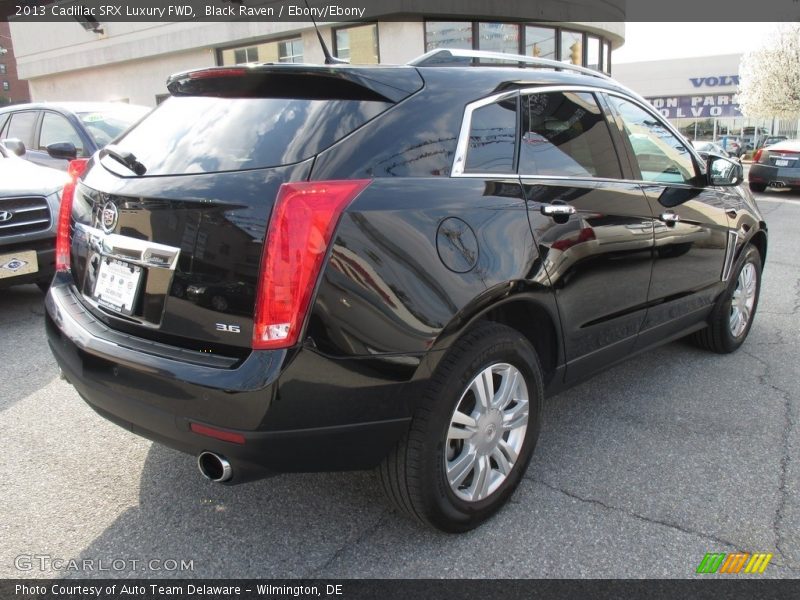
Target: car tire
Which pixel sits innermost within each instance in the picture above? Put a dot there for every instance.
(726, 330)
(757, 187)
(43, 285)
(462, 459)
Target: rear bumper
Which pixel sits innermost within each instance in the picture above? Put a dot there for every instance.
(296, 411)
(769, 174)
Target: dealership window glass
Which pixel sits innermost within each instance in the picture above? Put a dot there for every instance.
(607, 57)
(245, 55)
(290, 51)
(540, 42)
(498, 37)
(448, 34)
(593, 52)
(492, 138)
(21, 127)
(268, 52)
(661, 156)
(56, 128)
(571, 47)
(359, 45)
(565, 134)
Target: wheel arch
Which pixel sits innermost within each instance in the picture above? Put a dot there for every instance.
(533, 314)
(759, 240)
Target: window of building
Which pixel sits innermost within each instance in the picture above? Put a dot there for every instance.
(498, 37)
(269, 52)
(540, 42)
(566, 134)
(448, 34)
(290, 51)
(492, 138)
(3, 69)
(6, 86)
(661, 156)
(56, 128)
(245, 55)
(593, 52)
(359, 45)
(571, 47)
(21, 127)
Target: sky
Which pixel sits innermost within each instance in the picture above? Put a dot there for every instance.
(655, 41)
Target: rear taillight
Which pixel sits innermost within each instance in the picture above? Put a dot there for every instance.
(757, 156)
(63, 236)
(300, 230)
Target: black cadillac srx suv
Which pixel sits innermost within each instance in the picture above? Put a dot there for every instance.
(303, 268)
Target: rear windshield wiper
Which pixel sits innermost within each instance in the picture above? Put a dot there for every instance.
(124, 157)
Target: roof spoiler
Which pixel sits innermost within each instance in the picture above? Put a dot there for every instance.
(308, 82)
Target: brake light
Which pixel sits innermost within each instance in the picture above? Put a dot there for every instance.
(758, 154)
(214, 73)
(75, 170)
(300, 231)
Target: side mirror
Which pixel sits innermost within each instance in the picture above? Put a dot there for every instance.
(724, 171)
(15, 146)
(65, 150)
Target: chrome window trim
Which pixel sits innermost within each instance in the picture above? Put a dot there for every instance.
(466, 124)
(462, 146)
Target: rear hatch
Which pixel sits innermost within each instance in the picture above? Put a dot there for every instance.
(169, 222)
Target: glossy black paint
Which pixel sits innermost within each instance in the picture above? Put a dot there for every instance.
(417, 259)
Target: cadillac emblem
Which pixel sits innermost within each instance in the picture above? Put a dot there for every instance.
(109, 216)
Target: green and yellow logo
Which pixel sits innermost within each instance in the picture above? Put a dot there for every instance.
(720, 562)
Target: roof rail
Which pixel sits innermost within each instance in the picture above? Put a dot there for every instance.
(443, 57)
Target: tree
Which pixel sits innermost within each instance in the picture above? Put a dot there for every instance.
(770, 77)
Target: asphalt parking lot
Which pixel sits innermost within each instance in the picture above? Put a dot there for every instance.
(638, 473)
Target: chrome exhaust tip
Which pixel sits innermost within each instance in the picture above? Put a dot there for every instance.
(777, 184)
(214, 467)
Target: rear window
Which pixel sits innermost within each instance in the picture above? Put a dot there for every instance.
(189, 134)
(104, 126)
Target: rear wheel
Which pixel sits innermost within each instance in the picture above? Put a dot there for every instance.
(473, 434)
(757, 187)
(733, 314)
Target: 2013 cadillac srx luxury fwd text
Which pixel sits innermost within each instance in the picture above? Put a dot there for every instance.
(306, 268)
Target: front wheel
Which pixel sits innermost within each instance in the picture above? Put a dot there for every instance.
(733, 314)
(473, 433)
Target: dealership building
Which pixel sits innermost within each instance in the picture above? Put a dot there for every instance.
(130, 61)
(698, 95)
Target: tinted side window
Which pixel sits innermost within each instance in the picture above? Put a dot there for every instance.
(492, 138)
(661, 156)
(21, 127)
(566, 134)
(3, 121)
(56, 128)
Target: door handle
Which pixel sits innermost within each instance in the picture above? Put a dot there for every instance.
(557, 210)
(670, 218)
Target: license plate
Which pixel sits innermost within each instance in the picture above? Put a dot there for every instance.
(18, 263)
(117, 284)
(781, 163)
